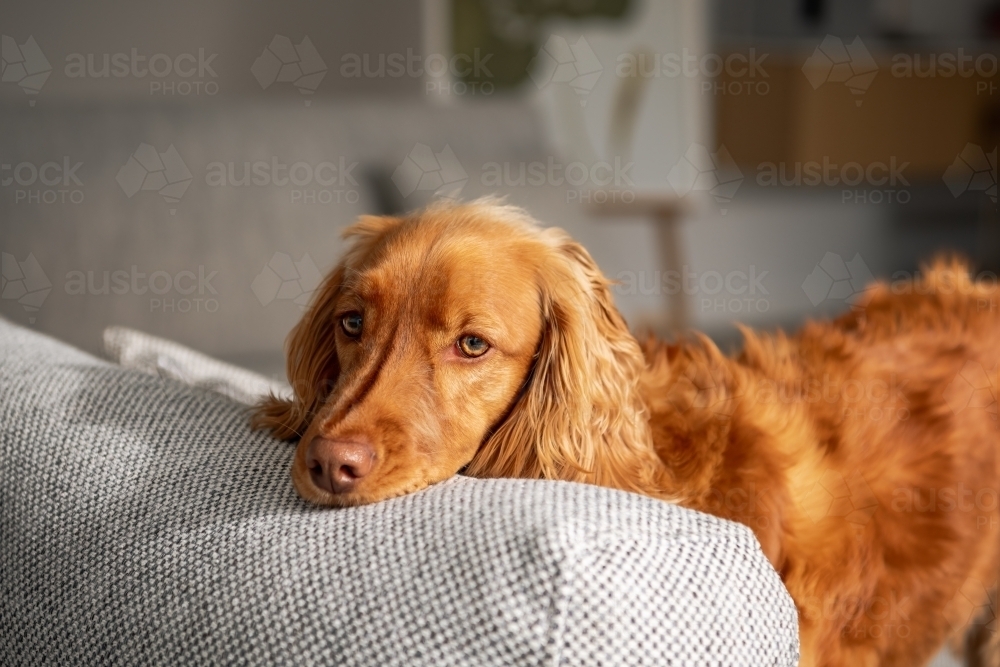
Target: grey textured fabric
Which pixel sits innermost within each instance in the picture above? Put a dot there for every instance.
(142, 523)
(165, 358)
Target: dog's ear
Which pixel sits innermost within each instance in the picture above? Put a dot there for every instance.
(580, 415)
(312, 364)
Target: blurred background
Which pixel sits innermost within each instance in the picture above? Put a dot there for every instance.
(186, 168)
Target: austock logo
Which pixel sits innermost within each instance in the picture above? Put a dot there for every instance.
(835, 62)
(284, 62)
(424, 170)
(974, 170)
(575, 64)
(744, 503)
(184, 291)
(862, 616)
(874, 399)
(23, 64)
(974, 388)
(834, 495)
(148, 169)
(23, 282)
(702, 171)
(445, 73)
(874, 176)
(746, 73)
(709, 388)
(974, 605)
(599, 181)
(325, 182)
(981, 502)
(51, 182)
(194, 71)
(733, 292)
(982, 67)
(285, 279)
(833, 278)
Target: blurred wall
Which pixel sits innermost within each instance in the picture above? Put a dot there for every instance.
(222, 37)
(182, 175)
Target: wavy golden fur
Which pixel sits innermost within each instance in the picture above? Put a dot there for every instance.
(862, 452)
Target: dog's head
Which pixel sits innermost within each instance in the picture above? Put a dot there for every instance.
(460, 337)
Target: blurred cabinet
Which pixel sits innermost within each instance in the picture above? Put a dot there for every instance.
(923, 121)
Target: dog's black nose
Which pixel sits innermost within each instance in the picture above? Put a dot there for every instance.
(337, 466)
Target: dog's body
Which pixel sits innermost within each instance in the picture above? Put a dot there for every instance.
(862, 452)
(847, 450)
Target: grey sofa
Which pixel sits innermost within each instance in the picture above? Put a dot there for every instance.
(143, 523)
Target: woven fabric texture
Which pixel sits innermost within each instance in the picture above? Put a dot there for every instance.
(165, 358)
(142, 523)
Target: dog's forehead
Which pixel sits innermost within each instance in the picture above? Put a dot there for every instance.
(455, 259)
(450, 276)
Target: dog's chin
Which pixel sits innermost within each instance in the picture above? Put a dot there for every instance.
(312, 494)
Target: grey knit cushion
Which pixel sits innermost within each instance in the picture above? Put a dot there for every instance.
(142, 523)
(164, 358)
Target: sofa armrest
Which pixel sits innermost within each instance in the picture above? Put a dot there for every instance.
(142, 522)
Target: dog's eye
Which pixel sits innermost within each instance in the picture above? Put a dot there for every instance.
(351, 324)
(473, 346)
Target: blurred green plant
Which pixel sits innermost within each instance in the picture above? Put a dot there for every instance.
(510, 31)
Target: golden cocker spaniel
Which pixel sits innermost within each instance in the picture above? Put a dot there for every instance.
(466, 338)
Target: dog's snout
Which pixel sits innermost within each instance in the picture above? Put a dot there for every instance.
(338, 466)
